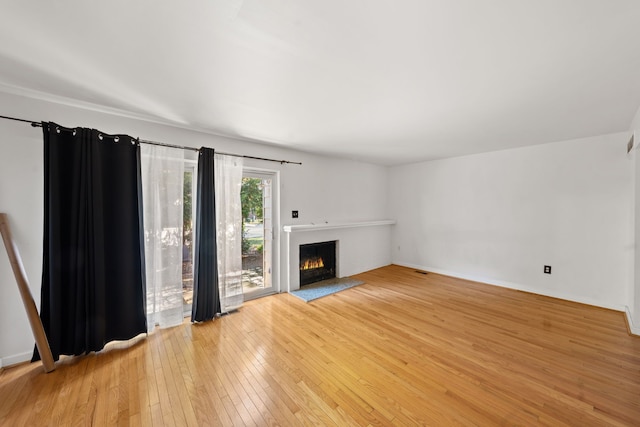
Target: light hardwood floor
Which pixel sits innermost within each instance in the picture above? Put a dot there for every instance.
(402, 349)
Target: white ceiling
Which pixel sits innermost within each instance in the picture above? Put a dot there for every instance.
(384, 81)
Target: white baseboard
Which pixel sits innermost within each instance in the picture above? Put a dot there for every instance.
(634, 329)
(517, 286)
(15, 359)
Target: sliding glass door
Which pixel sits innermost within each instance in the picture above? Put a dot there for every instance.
(257, 233)
(188, 205)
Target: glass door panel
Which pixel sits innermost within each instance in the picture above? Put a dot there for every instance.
(188, 212)
(257, 234)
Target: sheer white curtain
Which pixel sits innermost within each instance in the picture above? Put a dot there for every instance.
(228, 183)
(162, 182)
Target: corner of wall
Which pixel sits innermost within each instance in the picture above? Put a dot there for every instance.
(15, 359)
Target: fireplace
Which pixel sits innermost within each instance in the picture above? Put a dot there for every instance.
(317, 262)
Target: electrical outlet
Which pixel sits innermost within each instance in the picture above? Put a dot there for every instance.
(547, 269)
(294, 214)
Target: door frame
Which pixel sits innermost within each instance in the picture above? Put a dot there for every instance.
(274, 175)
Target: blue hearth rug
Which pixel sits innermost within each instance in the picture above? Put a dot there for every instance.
(326, 287)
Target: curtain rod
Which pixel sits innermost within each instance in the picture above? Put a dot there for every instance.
(144, 141)
(163, 144)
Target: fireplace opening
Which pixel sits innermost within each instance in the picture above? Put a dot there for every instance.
(317, 262)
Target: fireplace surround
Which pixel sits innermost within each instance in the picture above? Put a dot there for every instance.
(362, 246)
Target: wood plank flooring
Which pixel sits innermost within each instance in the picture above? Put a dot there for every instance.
(403, 349)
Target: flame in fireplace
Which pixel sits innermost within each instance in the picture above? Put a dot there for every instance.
(311, 263)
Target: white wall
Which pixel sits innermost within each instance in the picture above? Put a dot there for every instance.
(499, 217)
(633, 300)
(634, 292)
(635, 122)
(322, 189)
(21, 198)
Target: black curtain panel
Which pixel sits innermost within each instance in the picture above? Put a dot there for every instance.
(206, 295)
(93, 284)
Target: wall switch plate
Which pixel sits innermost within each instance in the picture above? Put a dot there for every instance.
(547, 269)
(294, 214)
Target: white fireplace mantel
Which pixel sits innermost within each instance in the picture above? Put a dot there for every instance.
(361, 246)
(331, 225)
